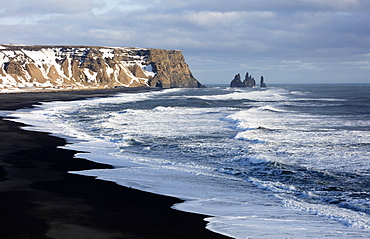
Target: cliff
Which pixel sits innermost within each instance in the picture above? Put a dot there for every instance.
(171, 70)
(84, 67)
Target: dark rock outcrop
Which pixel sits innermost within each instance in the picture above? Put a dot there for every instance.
(236, 82)
(249, 81)
(262, 83)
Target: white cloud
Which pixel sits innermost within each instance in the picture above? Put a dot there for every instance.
(335, 4)
(303, 33)
(358, 64)
(212, 19)
(39, 7)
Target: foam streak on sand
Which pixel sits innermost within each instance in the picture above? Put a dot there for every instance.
(248, 164)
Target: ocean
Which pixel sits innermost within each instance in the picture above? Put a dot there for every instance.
(286, 161)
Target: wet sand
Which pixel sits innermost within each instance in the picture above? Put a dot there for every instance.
(39, 199)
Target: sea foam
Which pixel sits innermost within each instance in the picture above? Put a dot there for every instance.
(218, 159)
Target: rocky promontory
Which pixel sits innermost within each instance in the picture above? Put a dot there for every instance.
(171, 70)
(26, 68)
(249, 81)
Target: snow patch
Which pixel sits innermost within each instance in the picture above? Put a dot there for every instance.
(52, 58)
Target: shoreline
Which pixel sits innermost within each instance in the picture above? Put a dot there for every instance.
(40, 199)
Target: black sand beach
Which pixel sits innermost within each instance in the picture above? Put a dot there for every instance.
(39, 199)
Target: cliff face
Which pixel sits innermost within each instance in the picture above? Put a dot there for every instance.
(171, 69)
(72, 67)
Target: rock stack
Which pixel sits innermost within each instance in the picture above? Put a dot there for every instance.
(249, 81)
(262, 84)
(236, 82)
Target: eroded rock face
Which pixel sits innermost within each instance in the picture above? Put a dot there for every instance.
(92, 67)
(171, 69)
(262, 82)
(236, 82)
(249, 81)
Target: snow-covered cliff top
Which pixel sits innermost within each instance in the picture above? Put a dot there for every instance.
(62, 67)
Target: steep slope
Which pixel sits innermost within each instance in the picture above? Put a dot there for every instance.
(84, 67)
(171, 69)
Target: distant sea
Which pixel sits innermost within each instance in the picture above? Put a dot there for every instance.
(286, 161)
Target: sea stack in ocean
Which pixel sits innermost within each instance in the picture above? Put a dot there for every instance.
(89, 67)
(249, 81)
(262, 83)
(236, 82)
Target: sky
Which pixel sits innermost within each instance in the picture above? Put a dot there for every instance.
(286, 41)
